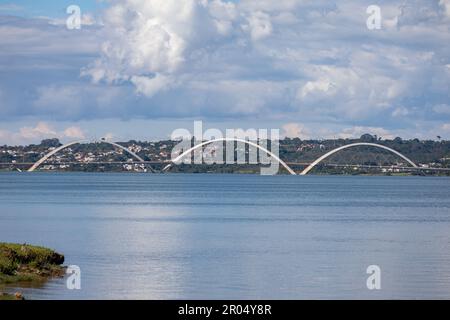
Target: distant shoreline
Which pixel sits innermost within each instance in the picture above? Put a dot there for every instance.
(370, 152)
(395, 174)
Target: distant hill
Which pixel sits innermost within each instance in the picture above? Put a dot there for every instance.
(292, 150)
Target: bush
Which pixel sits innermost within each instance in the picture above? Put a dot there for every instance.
(7, 266)
(13, 255)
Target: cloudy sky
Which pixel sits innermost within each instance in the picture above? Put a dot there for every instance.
(142, 68)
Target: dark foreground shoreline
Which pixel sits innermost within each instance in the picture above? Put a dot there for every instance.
(25, 265)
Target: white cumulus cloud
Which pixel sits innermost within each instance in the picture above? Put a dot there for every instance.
(296, 130)
(74, 133)
(41, 131)
(285, 61)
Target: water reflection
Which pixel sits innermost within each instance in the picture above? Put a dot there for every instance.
(218, 237)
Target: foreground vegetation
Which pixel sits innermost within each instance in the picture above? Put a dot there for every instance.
(22, 264)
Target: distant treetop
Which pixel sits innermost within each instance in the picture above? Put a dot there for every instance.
(48, 143)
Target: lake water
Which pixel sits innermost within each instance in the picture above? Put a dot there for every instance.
(182, 236)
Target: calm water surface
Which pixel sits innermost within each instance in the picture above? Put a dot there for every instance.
(184, 236)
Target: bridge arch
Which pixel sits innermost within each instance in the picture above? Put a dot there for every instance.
(53, 152)
(316, 162)
(201, 145)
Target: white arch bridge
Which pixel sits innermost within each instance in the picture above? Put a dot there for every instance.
(188, 152)
(375, 145)
(55, 151)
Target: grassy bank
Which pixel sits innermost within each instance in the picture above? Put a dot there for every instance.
(22, 264)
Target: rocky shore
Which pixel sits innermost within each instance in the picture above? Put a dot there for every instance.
(22, 264)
